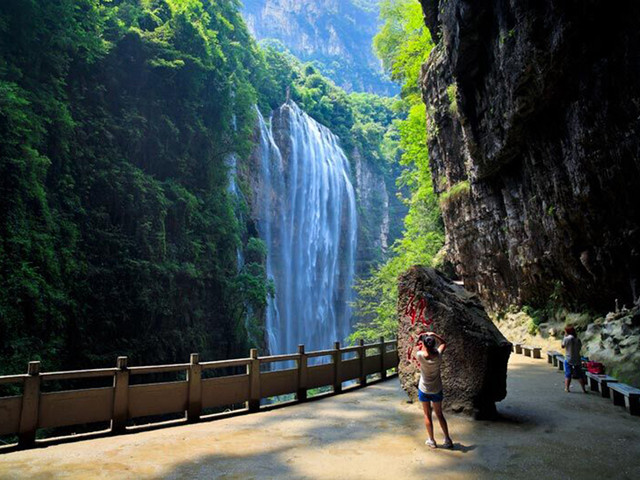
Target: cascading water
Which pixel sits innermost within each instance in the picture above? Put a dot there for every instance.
(308, 221)
(231, 162)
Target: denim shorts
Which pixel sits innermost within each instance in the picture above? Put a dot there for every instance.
(430, 397)
(572, 371)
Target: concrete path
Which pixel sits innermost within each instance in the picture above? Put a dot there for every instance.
(370, 433)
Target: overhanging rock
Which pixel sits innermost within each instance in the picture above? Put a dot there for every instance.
(474, 370)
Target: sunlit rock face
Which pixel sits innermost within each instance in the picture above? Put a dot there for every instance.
(374, 222)
(306, 214)
(336, 33)
(474, 368)
(537, 105)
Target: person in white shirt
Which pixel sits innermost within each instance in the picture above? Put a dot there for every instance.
(429, 359)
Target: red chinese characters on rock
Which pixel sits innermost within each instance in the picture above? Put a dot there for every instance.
(415, 311)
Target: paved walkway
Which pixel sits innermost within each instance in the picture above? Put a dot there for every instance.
(370, 433)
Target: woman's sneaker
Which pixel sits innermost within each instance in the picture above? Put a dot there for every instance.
(430, 443)
(447, 443)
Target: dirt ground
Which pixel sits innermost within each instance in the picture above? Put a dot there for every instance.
(369, 433)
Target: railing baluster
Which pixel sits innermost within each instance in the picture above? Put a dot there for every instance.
(194, 377)
(302, 374)
(337, 368)
(383, 371)
(120, 396)
(30, 406)
(253, 369)
(361, 357)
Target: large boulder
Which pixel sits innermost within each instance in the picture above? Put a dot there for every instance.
(474, 371)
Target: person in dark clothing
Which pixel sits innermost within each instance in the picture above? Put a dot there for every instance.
(572, 359)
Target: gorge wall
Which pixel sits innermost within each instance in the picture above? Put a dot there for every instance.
(533, 112)
(335, 33)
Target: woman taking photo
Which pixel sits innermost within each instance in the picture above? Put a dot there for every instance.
(429, 359)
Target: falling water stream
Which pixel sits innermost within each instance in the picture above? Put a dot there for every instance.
(308, 222)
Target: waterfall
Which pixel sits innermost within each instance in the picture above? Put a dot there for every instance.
(231, 162)
(308, 222)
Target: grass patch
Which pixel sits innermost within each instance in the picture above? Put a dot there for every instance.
(452, 95)
(432, 126)
(457, 191)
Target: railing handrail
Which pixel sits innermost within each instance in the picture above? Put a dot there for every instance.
(239, 362)
(178, 367)
(148, 369)
(6, 379)
(76, 374)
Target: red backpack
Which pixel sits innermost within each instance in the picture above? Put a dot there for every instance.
(596, 368)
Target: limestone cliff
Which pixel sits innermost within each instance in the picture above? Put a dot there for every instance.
(533, 119)
(373, 214)
(335, 33)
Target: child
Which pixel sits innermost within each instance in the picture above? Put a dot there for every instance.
(429, 358)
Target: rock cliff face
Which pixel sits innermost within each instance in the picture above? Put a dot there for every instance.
(533, 121)
(373, 214)
(335, 33)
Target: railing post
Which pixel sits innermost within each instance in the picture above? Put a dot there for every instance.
(337, 368)
(194, 377)
(383, 371)
(361, 357)
(30, 406)
(254, 381)
(120, 396)
(302, 374)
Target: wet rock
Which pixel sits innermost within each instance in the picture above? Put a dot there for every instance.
(474, 371)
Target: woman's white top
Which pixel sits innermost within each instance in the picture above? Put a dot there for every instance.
(430, 380)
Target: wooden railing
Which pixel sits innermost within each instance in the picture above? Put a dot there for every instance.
(23, 415)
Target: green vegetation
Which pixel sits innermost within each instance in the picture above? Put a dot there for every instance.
(117, 234)
(361, 120)
(457, 191)
(403, 44)
(452, 95)
(536, 317)
(506, 36)
(555, 310)
(432, 126)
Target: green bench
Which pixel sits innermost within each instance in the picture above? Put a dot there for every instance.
(626, 396)
(551, 357)
(600, 383)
